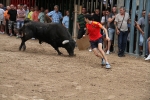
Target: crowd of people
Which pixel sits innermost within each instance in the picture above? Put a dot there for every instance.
(12, 18)
(118, 23)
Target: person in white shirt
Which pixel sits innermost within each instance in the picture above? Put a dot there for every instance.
(1, 19)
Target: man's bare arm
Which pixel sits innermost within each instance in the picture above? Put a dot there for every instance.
(111, 19)
(116, 27)
(49, 17)
(139, 28)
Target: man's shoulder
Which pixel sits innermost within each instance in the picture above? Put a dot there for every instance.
(142, 18)
(59, 12)
(12, 10)
(94, 15)
(65, 16)
(118, 15)
(1, 9)
(126, 14)
(80, 15)
(94, 22)
(52, 11)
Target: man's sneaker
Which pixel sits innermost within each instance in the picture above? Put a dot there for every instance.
(33, 38)
(3, 32)
(90, 50)
(108, 52)
(103, 62)
(18, 36)
(108, 66)
(140, 53)
(145, 56)
(148, 58)
(11, 35)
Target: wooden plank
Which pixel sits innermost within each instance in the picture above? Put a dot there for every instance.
(83, 43)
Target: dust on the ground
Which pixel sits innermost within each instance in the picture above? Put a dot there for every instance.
(40, 74)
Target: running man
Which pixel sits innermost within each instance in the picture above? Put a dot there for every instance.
(92, 29)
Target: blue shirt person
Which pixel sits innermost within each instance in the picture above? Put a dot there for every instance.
(55, 15)
(65, 20)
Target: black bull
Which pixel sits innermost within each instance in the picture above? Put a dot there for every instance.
(54, 34)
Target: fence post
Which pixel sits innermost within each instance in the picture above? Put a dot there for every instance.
(127, 5)
(70, 16)
(141, 3)
(132, 27)
(146, 25)
(75, 20)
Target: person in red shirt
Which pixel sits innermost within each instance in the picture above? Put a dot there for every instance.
(35, 14)
(93, 30)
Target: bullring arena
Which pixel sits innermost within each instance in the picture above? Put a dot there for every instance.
(40, 74)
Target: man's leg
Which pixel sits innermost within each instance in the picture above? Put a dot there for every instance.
(148, 57)
(103, 55)
(81, 32)
(102, 51)
(141, 45)
(111, 35)
(146, 49)
(125, 35)
(7, 29)
(149, 47)
(120, 36)
(1, 27)
(10, 27)
(96, 52)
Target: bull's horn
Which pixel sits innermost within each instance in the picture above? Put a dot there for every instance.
(65, 41)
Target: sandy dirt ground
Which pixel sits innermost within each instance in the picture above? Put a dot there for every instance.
(40, 74)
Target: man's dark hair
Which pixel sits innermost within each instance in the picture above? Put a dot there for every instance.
(107, 10)
(84, 7)
(97, 9)
(88, 16)
(21, 4)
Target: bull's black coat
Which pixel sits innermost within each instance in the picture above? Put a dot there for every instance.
(52, 33)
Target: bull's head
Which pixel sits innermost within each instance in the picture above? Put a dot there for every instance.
(69, 46)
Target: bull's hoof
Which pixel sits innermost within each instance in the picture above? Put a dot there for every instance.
(72, 55)
(60, 53)
(24, 48)
(40, 42)
(19, 48)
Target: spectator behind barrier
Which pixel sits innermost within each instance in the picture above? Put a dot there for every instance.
(55, 15)
(65, 20)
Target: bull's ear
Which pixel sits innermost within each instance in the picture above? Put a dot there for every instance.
(65, 41)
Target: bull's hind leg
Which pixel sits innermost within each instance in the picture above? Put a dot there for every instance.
(22, 45)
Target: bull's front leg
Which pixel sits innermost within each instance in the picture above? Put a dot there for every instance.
(40, 41)
(59, 53)
(54, 45)
(22, 45)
